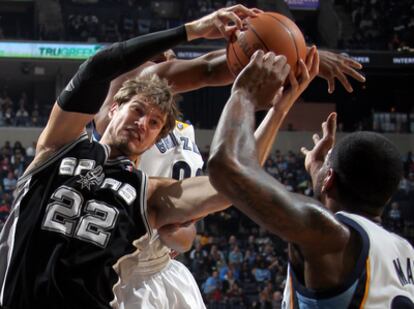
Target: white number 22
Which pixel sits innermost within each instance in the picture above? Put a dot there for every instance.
(63, 215)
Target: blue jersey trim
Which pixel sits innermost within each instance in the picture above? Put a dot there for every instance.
(357, 273)
(96, 137)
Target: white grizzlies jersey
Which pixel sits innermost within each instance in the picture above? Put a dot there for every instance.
(149, 278)
(383, 276)
(175, 156)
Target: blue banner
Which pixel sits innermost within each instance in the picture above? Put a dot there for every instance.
(303, 4)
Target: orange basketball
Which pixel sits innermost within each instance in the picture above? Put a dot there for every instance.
(269, 32)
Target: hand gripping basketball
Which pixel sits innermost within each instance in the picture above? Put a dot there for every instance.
(219, 24)
(262, 78)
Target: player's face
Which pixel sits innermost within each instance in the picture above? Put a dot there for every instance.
(136, 125)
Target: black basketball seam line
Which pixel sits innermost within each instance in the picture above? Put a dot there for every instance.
(259, 38)
(290, 34)
(237, 57)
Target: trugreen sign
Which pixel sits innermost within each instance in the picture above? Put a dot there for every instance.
(48, 50)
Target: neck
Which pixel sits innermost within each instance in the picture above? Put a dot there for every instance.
(115, 152)
(366, 212)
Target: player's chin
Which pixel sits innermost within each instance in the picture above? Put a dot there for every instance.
(135, 147)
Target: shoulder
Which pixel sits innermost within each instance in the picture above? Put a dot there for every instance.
(185, 130)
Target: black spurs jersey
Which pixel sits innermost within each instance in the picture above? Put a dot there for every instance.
(72, 219)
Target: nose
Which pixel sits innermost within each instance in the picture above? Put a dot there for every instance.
(142, 123)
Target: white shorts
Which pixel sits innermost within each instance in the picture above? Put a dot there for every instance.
(174, 287)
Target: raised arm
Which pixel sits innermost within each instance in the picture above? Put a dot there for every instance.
(87, 90)
(235, 170)
(185, 75)
(197, 197)
(267, 131)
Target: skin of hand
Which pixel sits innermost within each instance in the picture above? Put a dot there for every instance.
(315, 158)
(336, 66)
(308, 71)
(269, 72)
(219, 24)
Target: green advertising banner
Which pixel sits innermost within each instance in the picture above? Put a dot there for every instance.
(48, 50)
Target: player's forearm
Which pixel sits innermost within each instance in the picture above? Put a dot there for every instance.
(217, 72)
(265, 134)
(233, 143)
(124, 56)
(187, 75)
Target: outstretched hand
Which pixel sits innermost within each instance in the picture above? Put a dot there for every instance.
(315, 158)
(336, 66)
(220, 24)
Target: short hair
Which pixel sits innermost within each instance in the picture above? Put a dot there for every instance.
(159, 92)
(368, 168)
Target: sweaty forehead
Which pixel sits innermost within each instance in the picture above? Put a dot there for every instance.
(148, 105)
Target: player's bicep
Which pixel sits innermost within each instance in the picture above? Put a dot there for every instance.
(62, 128)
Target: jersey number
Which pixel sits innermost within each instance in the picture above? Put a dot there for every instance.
(182, 170)
(63, 215)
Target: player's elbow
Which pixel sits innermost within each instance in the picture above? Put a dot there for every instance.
(222, 167)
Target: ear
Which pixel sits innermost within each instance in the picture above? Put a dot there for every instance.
(113, 109)
(328, 181)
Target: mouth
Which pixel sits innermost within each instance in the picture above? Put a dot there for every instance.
(134, 134)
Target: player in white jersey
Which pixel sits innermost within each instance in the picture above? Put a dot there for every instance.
(150, 278)
(175, 156)
(382, 278)
(339, 257)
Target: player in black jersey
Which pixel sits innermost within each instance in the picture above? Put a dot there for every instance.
(80, 204)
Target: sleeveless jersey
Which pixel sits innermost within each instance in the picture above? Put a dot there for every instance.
(175, 156)
(383, 276)
(73, 218)
(150, 270)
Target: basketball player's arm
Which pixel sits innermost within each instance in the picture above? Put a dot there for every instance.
(86, 92)
(337, 66)
(266, 133)
(178, 202)
(178, 237)
(185, 75)
(235, 172)
(173, 202)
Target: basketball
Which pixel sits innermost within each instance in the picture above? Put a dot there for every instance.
(270, 32)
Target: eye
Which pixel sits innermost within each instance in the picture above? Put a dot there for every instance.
(155, 122)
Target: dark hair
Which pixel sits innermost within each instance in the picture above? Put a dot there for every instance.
(368, 169)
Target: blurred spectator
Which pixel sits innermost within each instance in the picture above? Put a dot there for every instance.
(30, 152)
(236, 257)
(22, 116)
(198, 259)
(277, 300)
(9, 183)
(211, 288)
(261, 272)
(395, 220)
